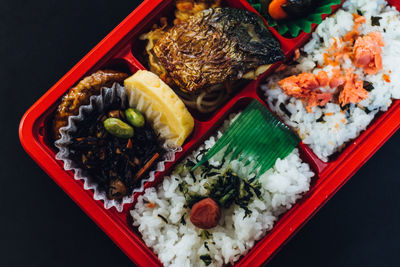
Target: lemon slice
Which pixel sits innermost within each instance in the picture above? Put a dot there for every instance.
(164, 100)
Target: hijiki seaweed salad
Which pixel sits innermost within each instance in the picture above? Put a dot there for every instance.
(112, 135)
(114, 146)
(205, 54)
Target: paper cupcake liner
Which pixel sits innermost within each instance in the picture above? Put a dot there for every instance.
(292, 28)
(99, 103)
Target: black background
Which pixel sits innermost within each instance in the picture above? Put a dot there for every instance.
(41, 226)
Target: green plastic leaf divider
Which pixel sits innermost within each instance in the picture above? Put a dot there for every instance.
(257, 137)
(294, 27)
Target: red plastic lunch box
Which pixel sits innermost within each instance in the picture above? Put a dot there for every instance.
(122, 49)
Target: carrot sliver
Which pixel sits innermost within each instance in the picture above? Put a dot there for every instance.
(386, 78)
(151, 205)
(146, 166)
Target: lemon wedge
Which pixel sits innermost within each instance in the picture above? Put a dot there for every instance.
(163, 100)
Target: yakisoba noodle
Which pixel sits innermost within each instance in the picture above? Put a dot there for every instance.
(152, 37)
(187, 8)
(206, 101)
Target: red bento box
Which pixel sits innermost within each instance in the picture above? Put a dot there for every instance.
(121, 49)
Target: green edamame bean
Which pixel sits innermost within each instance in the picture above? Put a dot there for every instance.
(135, 117)
(118, 128)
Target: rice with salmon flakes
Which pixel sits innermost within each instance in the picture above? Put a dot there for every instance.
(164, 219)
(343, 77)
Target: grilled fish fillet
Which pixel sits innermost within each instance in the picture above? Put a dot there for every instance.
(215, 46)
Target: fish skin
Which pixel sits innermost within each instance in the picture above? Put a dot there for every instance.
(215, 46)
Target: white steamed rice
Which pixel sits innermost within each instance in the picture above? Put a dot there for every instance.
(327, 137)
(178, 244)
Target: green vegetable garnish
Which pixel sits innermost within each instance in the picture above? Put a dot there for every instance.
(134, 117)
(206, 259)
(204, 234)
(375, 21)
(162, 218)
(118, 128)
(226, 189)
(183, 222)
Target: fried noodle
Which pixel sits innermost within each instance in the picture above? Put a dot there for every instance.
(205, 101)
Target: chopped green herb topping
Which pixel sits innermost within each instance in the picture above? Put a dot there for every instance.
(285, 110)
(204, 234)
(190, 196)
(180, 168)
(368, 86)
(190, 163)
(375, 21)
(163, 218)
(183, 220)
(224, 187)
(206, 259)
(206, 246)
(321, 119)
(345, 107)
(230, 188)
